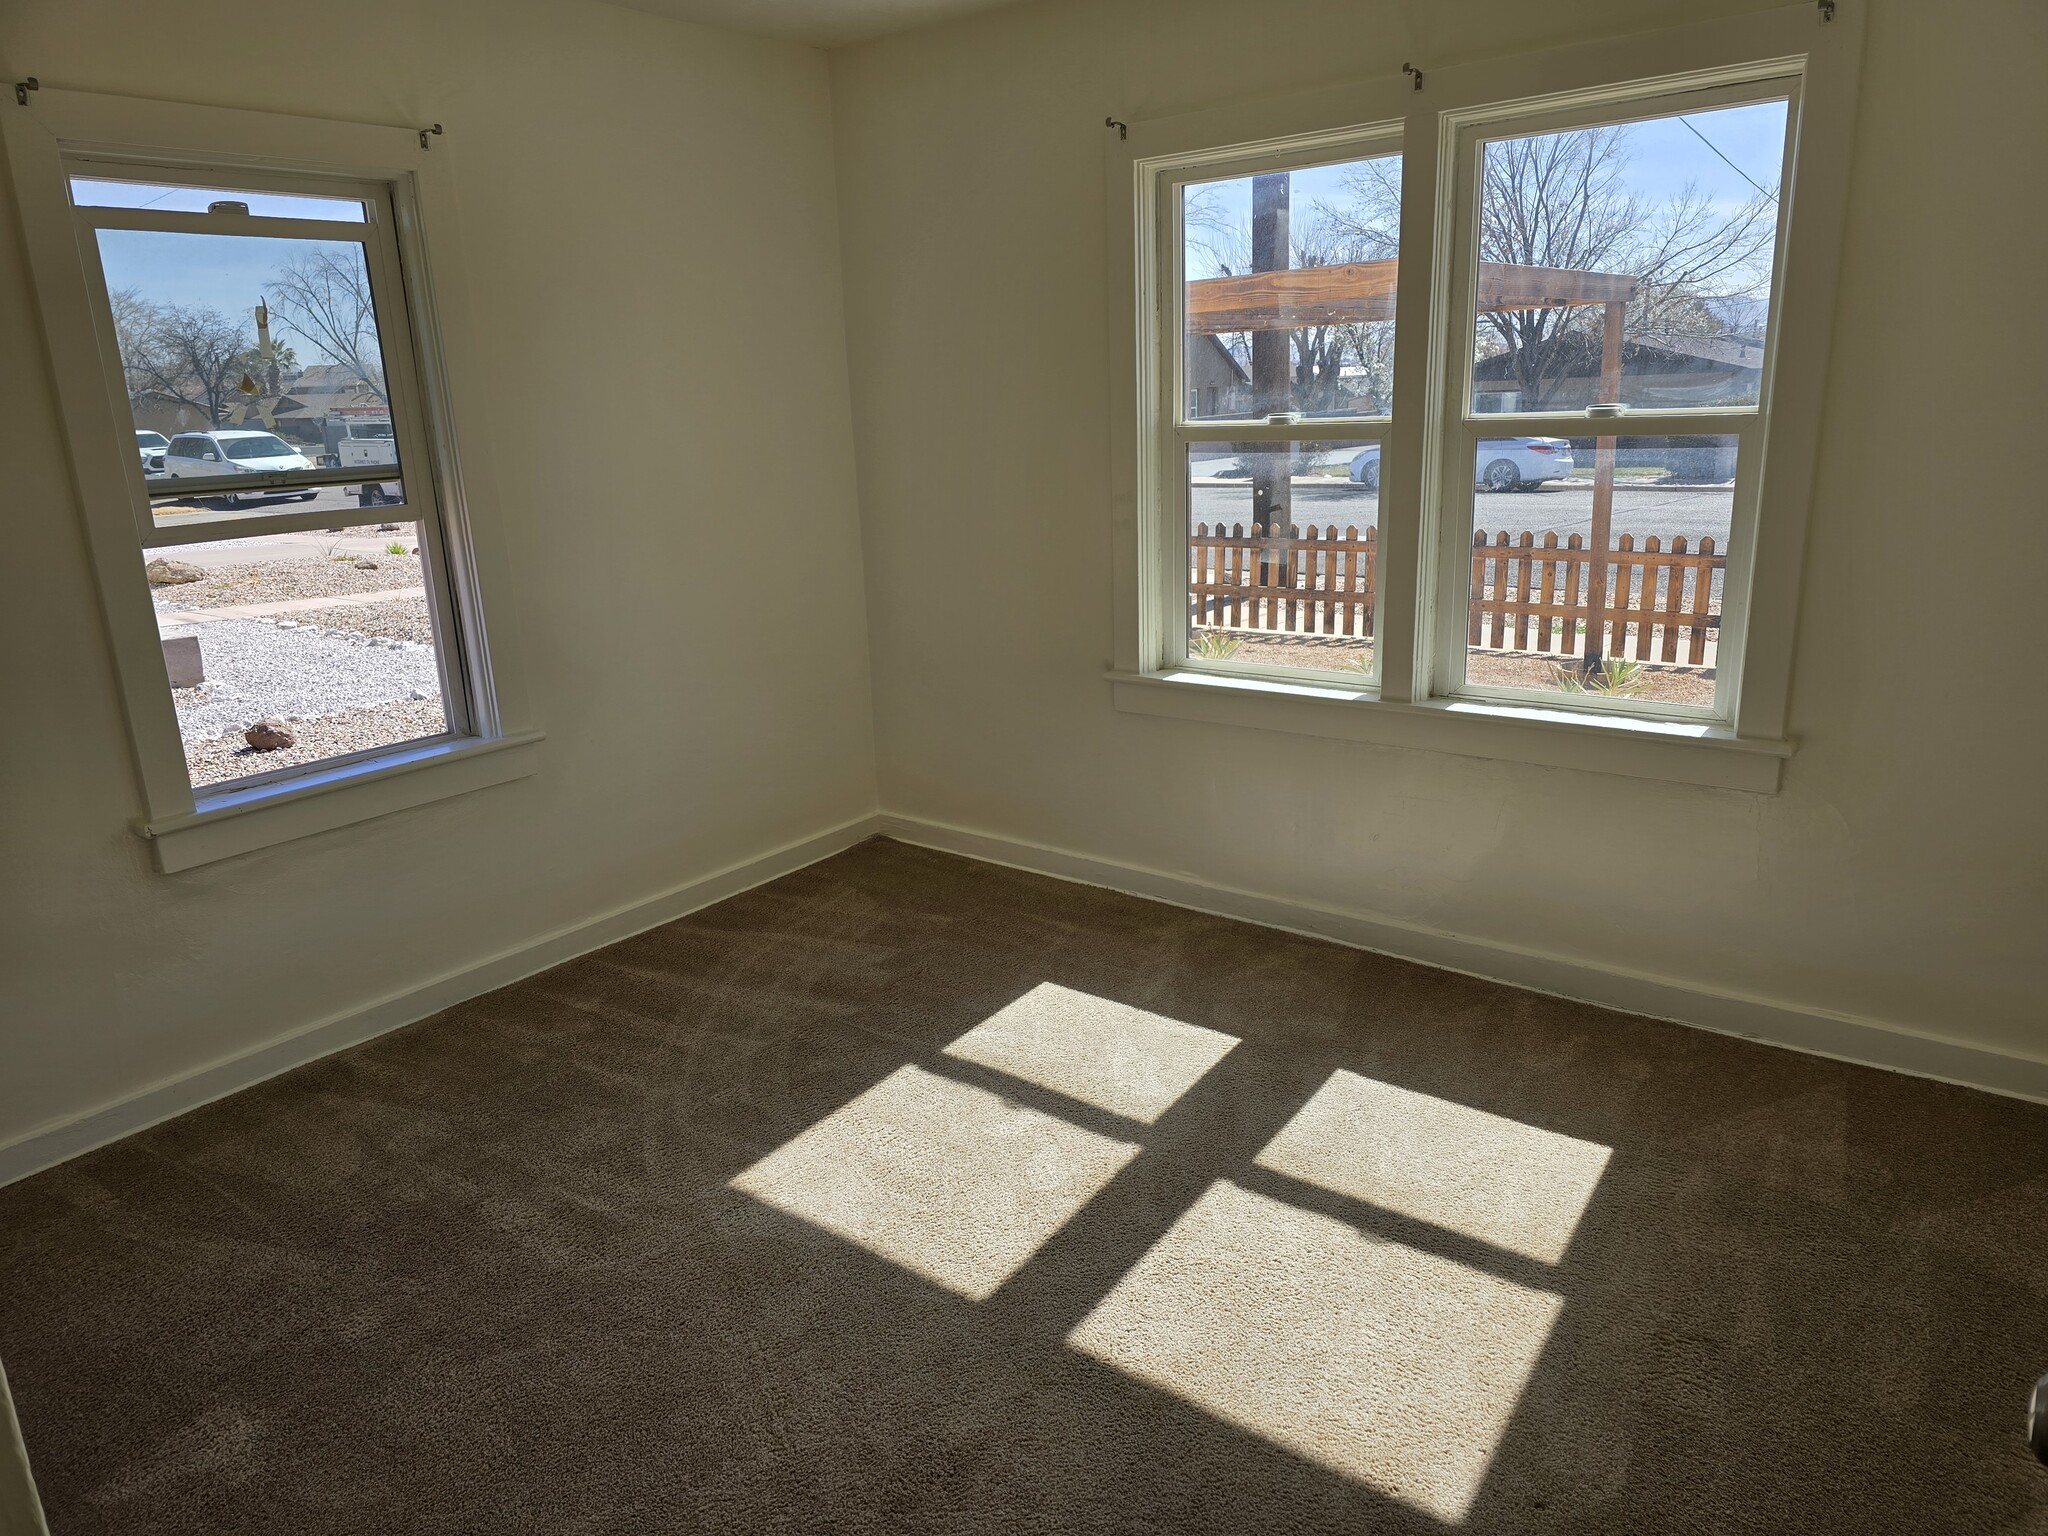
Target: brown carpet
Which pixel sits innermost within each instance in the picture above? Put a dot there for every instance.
(911, 1194)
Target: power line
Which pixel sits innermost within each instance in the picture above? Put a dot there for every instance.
(1738, 170)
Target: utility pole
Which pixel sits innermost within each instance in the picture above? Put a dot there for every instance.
(1272, 388)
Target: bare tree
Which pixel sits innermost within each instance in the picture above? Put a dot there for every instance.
(1563, 200)
(324, 296)
(143, 369)
(183, 355)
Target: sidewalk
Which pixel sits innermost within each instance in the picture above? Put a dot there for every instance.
(181, 616)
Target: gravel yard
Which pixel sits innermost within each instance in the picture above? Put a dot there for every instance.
(355, 730)
(345, 675)
(339, 690)
(403, 618)
(269, 581)
(255, 668)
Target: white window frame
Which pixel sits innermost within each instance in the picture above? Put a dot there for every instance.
(1169, 433)
(1416, 698)
(54, 134)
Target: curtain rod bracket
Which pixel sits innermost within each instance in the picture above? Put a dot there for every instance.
(1827, 11)
(1123, 130)
(1413, 74)
(426, 131)
(23, 87)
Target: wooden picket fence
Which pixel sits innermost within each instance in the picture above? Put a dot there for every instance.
(1527, 595)
(1239, 580)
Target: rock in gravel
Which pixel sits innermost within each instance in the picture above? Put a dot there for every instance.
(366, 565)
(269, 734)
(171, 573)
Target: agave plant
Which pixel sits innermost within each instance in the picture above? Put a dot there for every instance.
(1213, 645)
(1614, 676)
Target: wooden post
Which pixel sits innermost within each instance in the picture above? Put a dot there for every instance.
(1272, 381)
(1612, 316)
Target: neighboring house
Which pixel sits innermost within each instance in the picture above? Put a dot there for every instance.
(297, 412)
(1684, 371)
(170, 416)
(316, 393)
(1217, 383)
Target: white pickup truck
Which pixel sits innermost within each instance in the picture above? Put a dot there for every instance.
(363, 442)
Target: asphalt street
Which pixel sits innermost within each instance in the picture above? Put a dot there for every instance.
(1566, 509)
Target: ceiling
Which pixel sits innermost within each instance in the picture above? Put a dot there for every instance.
(823, 23)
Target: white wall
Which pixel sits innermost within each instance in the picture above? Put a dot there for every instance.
(649, 215)
(1899, 877)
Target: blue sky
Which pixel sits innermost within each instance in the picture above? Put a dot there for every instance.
(229, 273)
(1663, 156)
(225, 272)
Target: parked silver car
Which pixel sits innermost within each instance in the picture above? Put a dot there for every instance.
(1501, 464)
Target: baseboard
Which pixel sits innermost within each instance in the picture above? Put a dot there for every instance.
(64, 1139)
(1844, 1037)
(1867, 1042)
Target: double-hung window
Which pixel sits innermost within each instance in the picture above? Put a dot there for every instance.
(250, 362)
(1545, 525)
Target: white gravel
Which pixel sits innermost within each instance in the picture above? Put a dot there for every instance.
(295, 670)
(381, 725)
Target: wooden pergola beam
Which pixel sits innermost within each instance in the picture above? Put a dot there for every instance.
(1355, 292)
(1352, 293)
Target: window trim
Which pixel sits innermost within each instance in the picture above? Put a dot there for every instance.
(56, 127)
(1827, 56)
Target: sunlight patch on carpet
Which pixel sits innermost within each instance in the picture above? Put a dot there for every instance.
(1107, 1054)
(1516, 1186)
(1383, 1363)
(953, 1183)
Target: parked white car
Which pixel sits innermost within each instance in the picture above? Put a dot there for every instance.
(195, 455)
(151, 446)
(1502, 463)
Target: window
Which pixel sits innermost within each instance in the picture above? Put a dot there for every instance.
(1285, 273)
(290, 581)
(1620, 263)
(294, 568)
(1549, 507)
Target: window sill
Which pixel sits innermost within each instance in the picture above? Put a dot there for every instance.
(1646, 749)
(240, 821)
